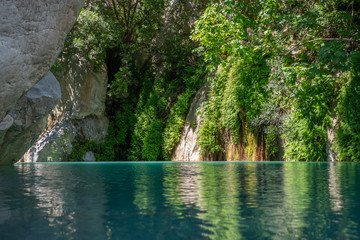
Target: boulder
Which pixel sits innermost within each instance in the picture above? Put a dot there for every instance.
(89, 157)
(32, 34)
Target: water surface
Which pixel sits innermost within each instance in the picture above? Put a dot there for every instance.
(180, 201)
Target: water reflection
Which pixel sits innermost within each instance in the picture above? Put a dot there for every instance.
(334, 188)
(180, 201)
(145, 192)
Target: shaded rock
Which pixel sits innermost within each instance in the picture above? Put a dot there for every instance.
(29, 116)
(91, 127)
(6, 122)
(83, 90)
(79, 114)
(89, 157)
(32, 34)
(46, 87)
(188, 148)
(53, 145)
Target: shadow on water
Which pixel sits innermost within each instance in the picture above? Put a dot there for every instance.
(180, 201)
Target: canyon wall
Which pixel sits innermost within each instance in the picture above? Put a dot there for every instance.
(32, 34)
(80, 113)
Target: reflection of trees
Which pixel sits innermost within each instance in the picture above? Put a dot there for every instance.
(348, 180)
(189, 184)
(181, 186)
(309, 199)
(144, 195)
(334, 188)
(51, 203)
(172, 194)
(161, 200)
(189, 201)
(296, 196)
(220, 202)
(268, 210)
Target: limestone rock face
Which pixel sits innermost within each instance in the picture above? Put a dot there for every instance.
(52, 145)
(79, 114)
(26, 121)
(32, 34)
(188, 148)
(83, 90)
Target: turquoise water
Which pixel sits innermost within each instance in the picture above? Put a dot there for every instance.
(180, 201)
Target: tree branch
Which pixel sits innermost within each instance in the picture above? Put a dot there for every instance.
(115, 10)
(315, 40)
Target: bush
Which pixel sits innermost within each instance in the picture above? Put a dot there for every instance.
(175, 123)
(304, 141)
(348, 109)
(153, 141)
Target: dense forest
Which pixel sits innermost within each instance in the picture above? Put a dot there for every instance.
(283, 77)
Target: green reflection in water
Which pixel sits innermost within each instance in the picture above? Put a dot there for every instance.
(220, 202)
(144, 193)
(184, 200)
(296, 202)
(172, 194)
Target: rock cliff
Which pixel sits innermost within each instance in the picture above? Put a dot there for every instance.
(188, 149)
(28, 119)
(79, 114)
(252, 145)
(32, 34)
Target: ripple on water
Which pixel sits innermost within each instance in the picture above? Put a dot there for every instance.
(180, 201)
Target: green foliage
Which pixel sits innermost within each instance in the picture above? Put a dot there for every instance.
(348, 133)
(79, 148)
(272, 140)
(210, 137)
(175, 123)
(302, 86)
(304, 141)
(124, 121)
(258, 87)
(150, 62)
(212, 30)
(117, 136)
(193, 79)
(122, 79)
(236, 98)
(59, 148)
(153, 141)
(150, 105)
(221, 29)
(231, 103)
(90, 37)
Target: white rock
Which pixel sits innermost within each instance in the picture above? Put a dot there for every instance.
(89, 157)
(188, 148)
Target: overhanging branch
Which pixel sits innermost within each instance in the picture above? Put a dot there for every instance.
(316, 40)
